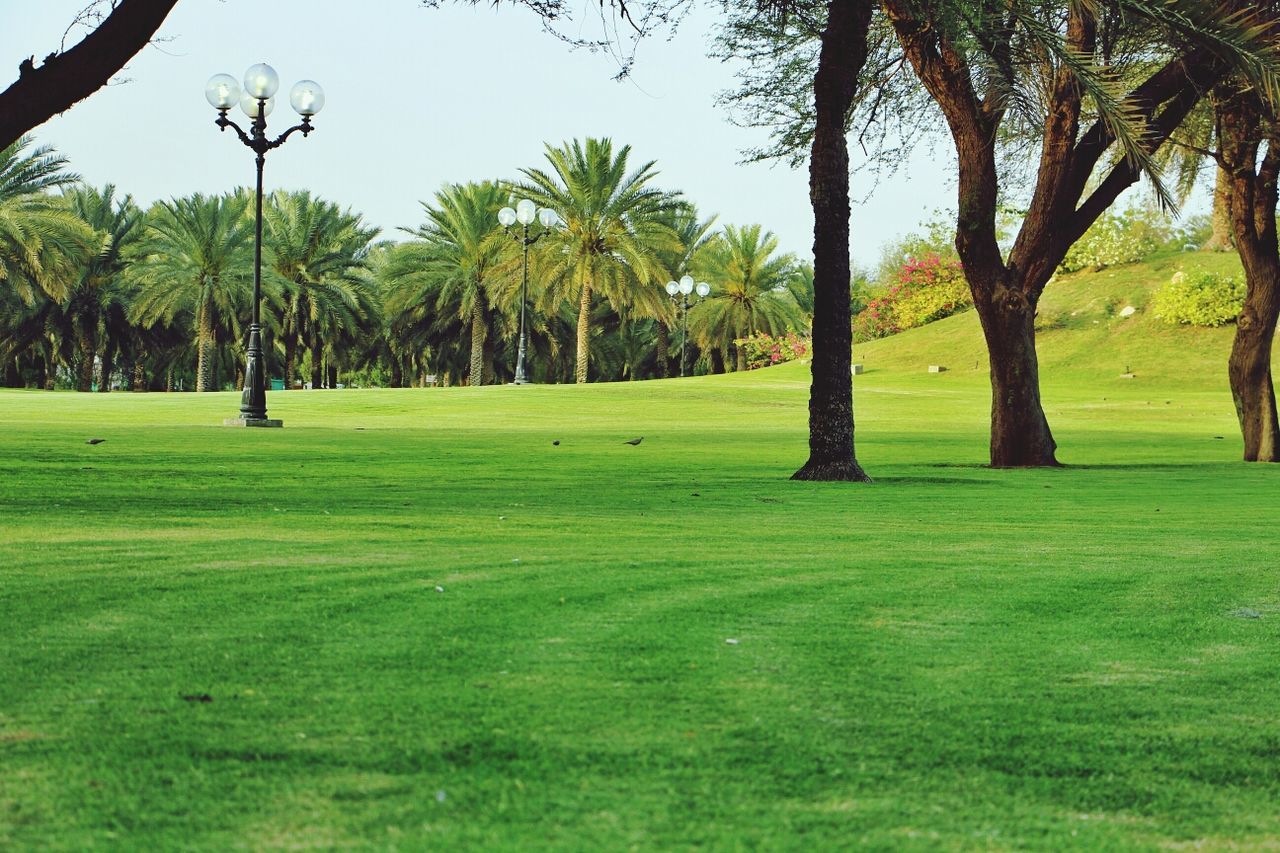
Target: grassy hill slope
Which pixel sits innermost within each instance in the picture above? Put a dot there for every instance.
(1081, 335)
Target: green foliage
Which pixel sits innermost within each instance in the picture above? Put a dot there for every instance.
(1200, 299)
(1119, 238)
(764, 350)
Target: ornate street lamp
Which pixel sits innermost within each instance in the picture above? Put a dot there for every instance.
(524, 213)
(257, 101)
(679, 293)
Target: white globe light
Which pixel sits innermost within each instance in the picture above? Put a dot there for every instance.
(673, 288)
(548, 217)
(703, 289)
(261, 80)
(250, 105)
(525, 211)
(222, 91)
(506, 217)
(686, 285)
(306, 97)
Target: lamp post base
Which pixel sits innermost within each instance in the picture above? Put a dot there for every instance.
(253, 422)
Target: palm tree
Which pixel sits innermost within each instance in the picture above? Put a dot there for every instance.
(196, 257)
(95, 296)
(317, 251)
(750, 290)
(613, 229)
(694, 236)
(40, 239)
(451, 271)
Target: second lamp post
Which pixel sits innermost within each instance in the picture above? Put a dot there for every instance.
(306, 98)
(679, 293)
(525, 212)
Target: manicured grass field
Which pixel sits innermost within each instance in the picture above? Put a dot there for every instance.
(951, 656)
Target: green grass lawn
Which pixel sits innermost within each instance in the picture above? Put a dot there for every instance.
(951, 656)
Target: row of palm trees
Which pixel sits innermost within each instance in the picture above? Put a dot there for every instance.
(95, 290)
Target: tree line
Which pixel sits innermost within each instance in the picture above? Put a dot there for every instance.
(102, 293)
(1054, 108)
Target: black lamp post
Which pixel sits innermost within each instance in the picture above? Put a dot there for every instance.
(524, 213)
(679, 293)
(257, 101)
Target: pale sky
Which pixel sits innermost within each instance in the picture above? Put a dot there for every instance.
(418, 97)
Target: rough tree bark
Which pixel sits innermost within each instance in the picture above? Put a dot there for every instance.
(664, 351)
(479, 328)
(584, 334)
(205, 343)
(139, 375)
(1221, 238)
(1064, 202)
(1244, 124)
(88, 350)
(63, 79)
(842, 53)
(108, 365)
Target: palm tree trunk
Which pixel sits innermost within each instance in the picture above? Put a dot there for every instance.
(317, 363)
(742, 357)
(1220, 240)
(139, 375)
(88, 350)
(290, 357)
(205, 340)
(12, 376)
(333, 374)
(584, 334)
(664, 351)
(478, 330)
(50, 372)
(108, 365)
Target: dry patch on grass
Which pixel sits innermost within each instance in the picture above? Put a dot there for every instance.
(1115, 673)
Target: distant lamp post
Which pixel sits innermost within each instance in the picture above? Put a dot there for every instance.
(525, 212)
(679, 293)
(257, 100)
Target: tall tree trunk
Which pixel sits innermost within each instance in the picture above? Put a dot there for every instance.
(1020, 435)
(1249, 369)
(12, 375)
(332, 379)
(50, 373)
(1245, 122)
(1221, 239)
(664, 351)
(205, 343)
(108, 365)
(478, 329)
(584, 334)
(841, 56)
(139, 375)
(717, 360)
(397, 372)
(290, 358)
(741, 367)
(317, 363)
(88, 352)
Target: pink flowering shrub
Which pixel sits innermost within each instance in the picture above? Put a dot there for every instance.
(927, 289)
(764, 350)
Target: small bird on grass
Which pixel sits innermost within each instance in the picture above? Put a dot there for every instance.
(633, 442)
(95, 440)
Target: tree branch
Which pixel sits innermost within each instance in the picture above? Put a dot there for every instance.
(67, 78)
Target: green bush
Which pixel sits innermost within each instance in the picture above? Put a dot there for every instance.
(1116, 239)
(1199, 299)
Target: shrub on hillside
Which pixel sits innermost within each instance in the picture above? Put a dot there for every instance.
(764, 350)
(1199, 299)
(927, 289)
(1115, 239)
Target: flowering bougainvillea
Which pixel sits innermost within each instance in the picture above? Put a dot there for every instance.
(764, 350)
(927, 289)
